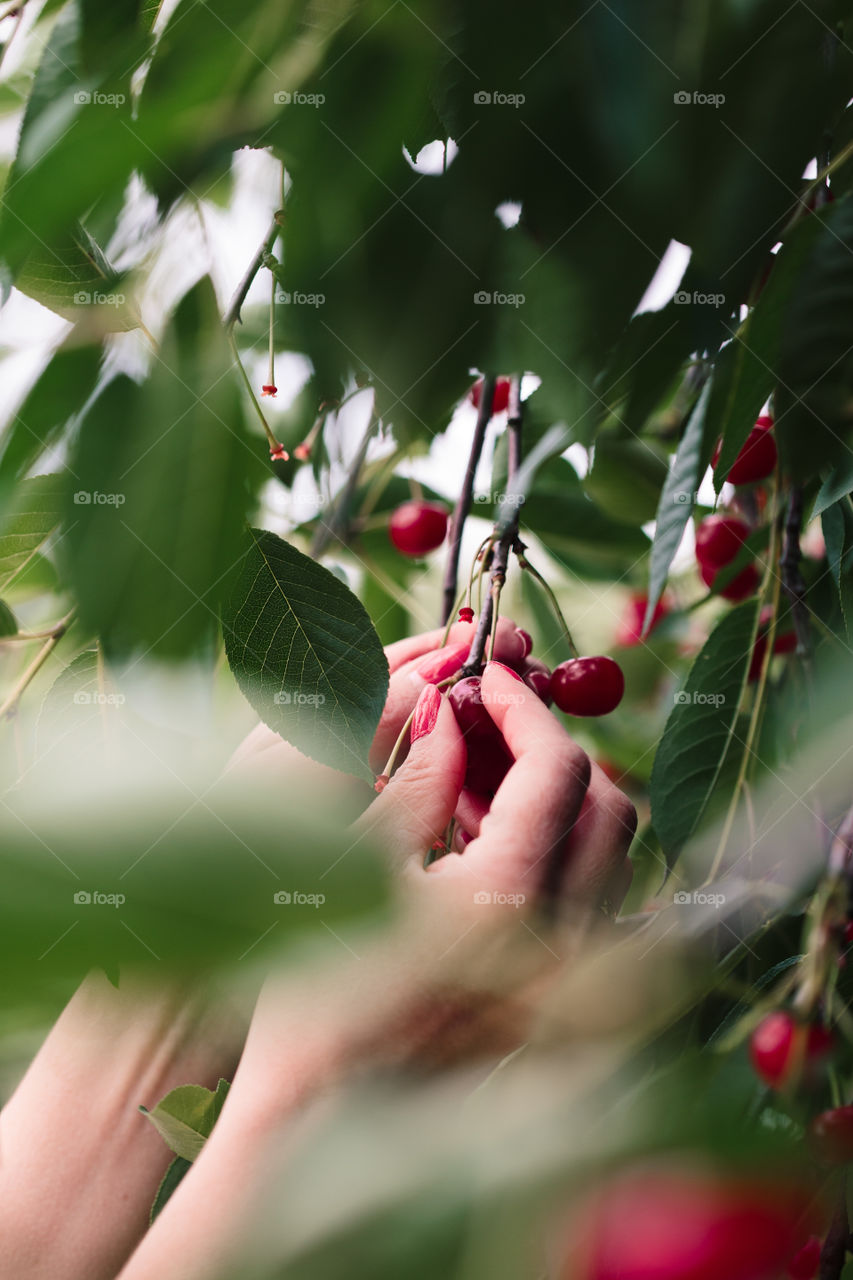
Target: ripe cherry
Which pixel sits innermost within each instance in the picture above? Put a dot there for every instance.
(805, 1263)
(757, 458)
(500, 400)
(782, 1049)
(831, 1136)
(525, 639)
(539, 680)
(630, 629)
(719, 539)
(688, 1224)
(588, 686)
(741, 586)
(489, 758)
(417, 527)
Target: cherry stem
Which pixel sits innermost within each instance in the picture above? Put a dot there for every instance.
(402, 735)
(271, 378)
(232, 315)
(524, 563)
(792, 578)
(505, 539)
(10, 703)
(331, 529)
(463, 504)
(273, 443)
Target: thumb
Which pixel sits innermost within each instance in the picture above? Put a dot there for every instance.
(418, 802)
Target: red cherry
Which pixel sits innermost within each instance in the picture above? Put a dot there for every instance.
(848, 933)
(416, 528)
(742, 585)
(466, 614)
(489, 759)
(757, 458)
(831, 1136)
(785, 642)
(804, 1264)
(500, 400)
(782, 1048)
(540, 682)
(687, 1224)
(588, 686)
(719, 539)
(269, 390)
(526, 640)
(630, 629)
(757, 660)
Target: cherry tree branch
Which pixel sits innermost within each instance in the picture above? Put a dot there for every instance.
(463, 504)
(232, 315)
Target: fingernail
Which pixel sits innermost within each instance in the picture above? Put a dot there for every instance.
(426, 712)
(509, 671)
(443, 663)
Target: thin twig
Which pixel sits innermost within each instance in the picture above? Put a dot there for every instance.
(338, 520)
(232, 315)
(507, 535)
(10, 703)
(463, 505)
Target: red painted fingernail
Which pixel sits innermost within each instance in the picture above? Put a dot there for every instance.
(443, 663)
(426, 712)
(509, 671)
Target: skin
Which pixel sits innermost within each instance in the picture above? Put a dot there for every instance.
(557, 830)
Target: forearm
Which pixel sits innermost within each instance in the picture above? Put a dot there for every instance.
(79, 1166)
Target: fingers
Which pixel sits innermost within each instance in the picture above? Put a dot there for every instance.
(418, 802)
(431, 665)
(538, 802)
(595, 868)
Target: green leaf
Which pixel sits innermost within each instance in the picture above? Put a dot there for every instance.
(8, 625)
(626, 478)
(838, 483)
(59, 393)
(75, 280)
(172, 1179)
(837, 525)
(305, 653)
(699, 730)
(745, 372)
(186, 1116)
(159, 493)
(678, 498)
(75, 696)
(33, 517)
